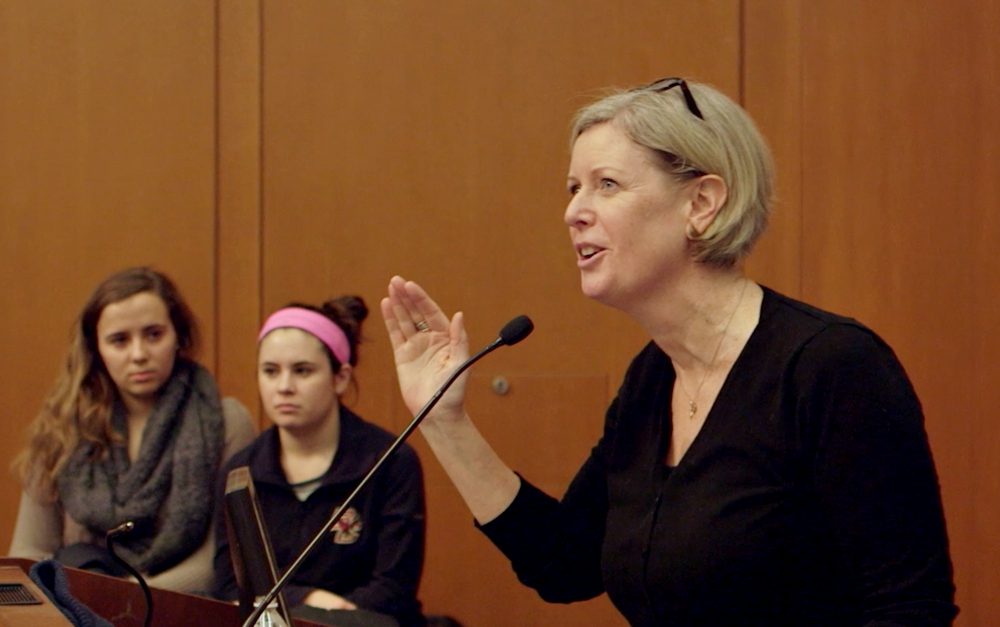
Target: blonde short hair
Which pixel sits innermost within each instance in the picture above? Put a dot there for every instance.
(726, 143)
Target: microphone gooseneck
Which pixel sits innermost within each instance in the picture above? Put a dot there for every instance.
(126, 527)
(512, 333)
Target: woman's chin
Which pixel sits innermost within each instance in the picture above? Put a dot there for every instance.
(289, 423)
(599, 291)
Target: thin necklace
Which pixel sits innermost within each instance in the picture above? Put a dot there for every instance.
(692, 405)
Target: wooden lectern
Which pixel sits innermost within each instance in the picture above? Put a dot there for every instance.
(118, 600)
(22, 604)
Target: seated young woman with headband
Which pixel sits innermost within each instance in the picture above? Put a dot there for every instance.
(313, 457)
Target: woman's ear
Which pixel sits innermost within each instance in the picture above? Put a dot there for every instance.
(342, 379)
(707, 197)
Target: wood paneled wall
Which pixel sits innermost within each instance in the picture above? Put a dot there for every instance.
(884, 121)
(107, 160)
(405, 138)
(262, 151)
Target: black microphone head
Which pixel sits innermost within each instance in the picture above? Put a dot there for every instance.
(516, 330)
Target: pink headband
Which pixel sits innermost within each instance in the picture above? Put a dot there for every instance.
(317, 324)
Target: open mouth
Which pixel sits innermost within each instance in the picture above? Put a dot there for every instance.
(587, 251)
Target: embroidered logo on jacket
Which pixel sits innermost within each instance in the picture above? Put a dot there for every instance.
(347, 530)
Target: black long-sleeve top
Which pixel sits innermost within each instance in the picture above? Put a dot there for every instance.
(808, 498)
(375, 559)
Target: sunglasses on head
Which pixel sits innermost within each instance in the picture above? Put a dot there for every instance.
(666, 84)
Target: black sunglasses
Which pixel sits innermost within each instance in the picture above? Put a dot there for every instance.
(665, 84)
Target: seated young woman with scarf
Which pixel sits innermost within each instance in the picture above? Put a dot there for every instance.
(133, 430)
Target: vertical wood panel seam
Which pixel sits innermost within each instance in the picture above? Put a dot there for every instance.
(261, 159)
(217, 249)
(800, 129)
(741, 32)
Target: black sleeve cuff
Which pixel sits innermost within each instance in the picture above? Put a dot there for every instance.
(523, 531)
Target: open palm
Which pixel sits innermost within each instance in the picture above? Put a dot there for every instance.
(427, 347)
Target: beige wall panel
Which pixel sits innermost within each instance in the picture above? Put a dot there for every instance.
(430, 140)
(107, 159)
(900, 181)
(772, 86)
(467, 578)
(543, 426)
(465, 575)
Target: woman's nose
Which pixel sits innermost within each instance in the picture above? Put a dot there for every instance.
(285, 383)
(578, 212)
(139, 351)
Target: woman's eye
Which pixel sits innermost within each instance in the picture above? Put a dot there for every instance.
(573, 189)
(303, 371)
(607, 184)
(155, 334)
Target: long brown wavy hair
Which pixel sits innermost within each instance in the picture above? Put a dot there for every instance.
(78, 407)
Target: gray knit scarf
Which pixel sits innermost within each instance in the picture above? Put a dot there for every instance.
(167, 491)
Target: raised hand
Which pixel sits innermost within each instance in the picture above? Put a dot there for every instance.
(427, 347)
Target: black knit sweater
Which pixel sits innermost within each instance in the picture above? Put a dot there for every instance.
(809, 498)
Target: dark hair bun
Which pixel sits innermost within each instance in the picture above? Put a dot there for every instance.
(348, 312)
(346, 307)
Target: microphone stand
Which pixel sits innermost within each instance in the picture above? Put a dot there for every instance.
(109, 537)
(513, 332)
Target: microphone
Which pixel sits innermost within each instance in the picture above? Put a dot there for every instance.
(516, 330)
(511, 333)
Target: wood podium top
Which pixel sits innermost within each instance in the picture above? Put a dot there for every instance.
(43, 614)
(119, 601)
